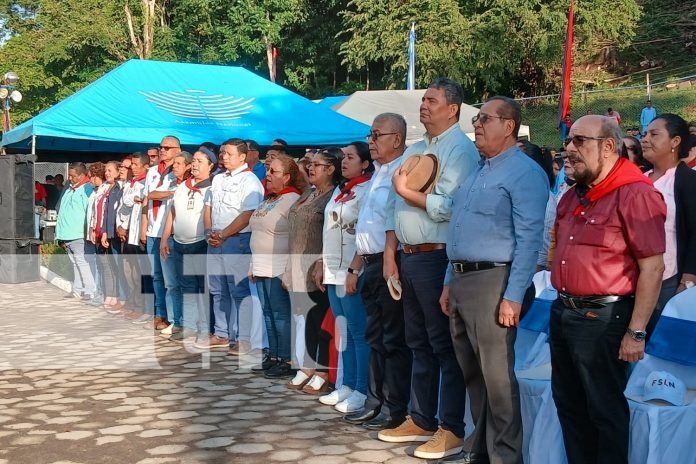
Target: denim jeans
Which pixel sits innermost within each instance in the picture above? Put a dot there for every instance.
(188, 261)
(172, 283)
(153, 245)
(356, 352)
(228, 268)
(275, 303)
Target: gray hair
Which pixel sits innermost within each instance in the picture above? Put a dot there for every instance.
(188, 157)
(396, 120)
(79, 168)
(610, 130)
(511, 109)
(454, 94)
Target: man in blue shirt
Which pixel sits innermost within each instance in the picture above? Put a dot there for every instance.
(495, 234)
(647, 114)
(252, 159)
(418, 221)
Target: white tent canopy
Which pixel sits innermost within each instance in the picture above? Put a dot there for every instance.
(363, 106)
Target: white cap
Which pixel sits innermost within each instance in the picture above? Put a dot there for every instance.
(661, 385)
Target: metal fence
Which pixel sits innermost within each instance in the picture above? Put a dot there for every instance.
(41, 170)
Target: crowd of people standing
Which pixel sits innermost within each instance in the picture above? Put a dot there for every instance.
(423, 286)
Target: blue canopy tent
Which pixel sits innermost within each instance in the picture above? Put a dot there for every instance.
(139, 102)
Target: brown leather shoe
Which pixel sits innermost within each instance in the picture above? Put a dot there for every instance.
(212, 342)
(240, 348)
(160, 323)
(310, 388)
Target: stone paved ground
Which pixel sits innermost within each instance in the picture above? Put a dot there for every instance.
(78, 385)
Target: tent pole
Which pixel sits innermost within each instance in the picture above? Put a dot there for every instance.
(33, 145)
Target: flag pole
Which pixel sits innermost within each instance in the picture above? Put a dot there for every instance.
(411, 76)
(564, 101)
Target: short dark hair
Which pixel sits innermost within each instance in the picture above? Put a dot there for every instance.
(210, 146)
(677, 127)
(333, 156)
(49, 177)
(79, 168)
(510, 110)
(535, 153)
(280, 142)
(454, 94)
(237, 142)
(144, 159)
(59, 177)
(253, 145)
(279, 148)
(363, 150)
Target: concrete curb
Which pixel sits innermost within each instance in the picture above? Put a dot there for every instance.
(55, 280)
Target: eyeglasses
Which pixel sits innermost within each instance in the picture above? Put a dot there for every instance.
(273, 172)
(484, 118)
(164, 147)
(316, 165)
(375, 135)
(579, 140)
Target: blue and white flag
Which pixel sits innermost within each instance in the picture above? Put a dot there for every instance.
(411, 77)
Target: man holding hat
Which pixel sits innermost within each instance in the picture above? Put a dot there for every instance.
(607, 268)
(494, 238)
(417, 217)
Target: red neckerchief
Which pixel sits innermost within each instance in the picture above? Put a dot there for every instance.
(200, 185)
(100, 213)
(692, 164)
(228, 173)
(138, 179)
(84, 180)
(623, 173)
(347, 191)
(272, 195)
(163, 171)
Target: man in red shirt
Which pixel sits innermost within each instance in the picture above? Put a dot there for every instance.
(607, 268)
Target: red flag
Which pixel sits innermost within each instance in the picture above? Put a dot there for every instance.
(273, 66)
(564, 101)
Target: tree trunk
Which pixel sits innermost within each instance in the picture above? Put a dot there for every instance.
(269, 51)
(135, 40)
(148, 27)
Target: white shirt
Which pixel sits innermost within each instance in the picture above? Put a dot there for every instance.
(188, 207)
(155, 182)
(92, 205)
(233, 193)
(339, 234)
(370, 232)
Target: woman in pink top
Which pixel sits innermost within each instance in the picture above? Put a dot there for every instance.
(665, 145)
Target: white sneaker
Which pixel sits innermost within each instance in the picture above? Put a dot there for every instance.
(336, 396)
(167, 332)
(354, 402)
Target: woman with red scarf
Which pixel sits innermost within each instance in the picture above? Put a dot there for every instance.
(270, 246)
(340, 216)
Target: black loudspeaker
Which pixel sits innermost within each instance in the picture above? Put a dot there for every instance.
(19, 261)
(16, 196)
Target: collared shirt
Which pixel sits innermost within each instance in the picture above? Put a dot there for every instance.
(154, 181)
(458, 157)
(72, 216)
(498, 215)
(370, 234)
(260, 170)
(232, 194)
(597, 252)
(188, 206)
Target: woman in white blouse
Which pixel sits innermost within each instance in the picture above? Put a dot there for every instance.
(340, 216)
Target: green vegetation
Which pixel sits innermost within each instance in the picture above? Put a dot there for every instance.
(541, 116)
(55, 258)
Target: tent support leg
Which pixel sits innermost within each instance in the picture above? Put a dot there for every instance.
(33, 145)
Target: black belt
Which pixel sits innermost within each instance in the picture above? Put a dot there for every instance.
(373, 258)
(461, 267)
(592, 301)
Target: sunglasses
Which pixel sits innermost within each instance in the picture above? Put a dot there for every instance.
(579, 140)
(484, 118)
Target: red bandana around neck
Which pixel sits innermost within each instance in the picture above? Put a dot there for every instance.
(692, 163)
(229, 173)
(347, 191)
(274, 195)
(82, 182)
(140, 178)
(163, 171)
(623, 173)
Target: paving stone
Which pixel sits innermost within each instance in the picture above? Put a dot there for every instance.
(330, 449)
(167, 449)
(250, 448)
(177, 415)
(199, 428)
(110, 439)
(75, 435)
(286, 455)
(371, 456)
(121, 429)
(155, 433)
(216, 442)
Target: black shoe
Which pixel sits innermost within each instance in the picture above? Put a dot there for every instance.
(465, 457)
(266, 363)
(280, 370)
(383, 421)
(358, 417)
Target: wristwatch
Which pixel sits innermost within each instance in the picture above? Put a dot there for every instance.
(353, 271)
(637, 335)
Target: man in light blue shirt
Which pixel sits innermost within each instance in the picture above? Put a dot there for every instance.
(495, 234)
(418, 221)
(647, 114)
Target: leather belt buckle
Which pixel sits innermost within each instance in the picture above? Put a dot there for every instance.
(458, 267)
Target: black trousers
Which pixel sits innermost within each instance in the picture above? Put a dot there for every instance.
(486, 353)
(389, 375)
(435, 372)
(588, 380)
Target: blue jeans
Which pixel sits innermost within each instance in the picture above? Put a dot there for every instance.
(153, 245)
(188, 261)
(356, 354)
(172, 283)
(117, 252)
(275, 303)
(228, 268)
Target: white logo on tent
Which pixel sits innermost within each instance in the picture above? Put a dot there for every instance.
(194, 104)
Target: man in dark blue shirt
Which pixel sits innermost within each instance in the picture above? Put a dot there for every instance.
(495, 234)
